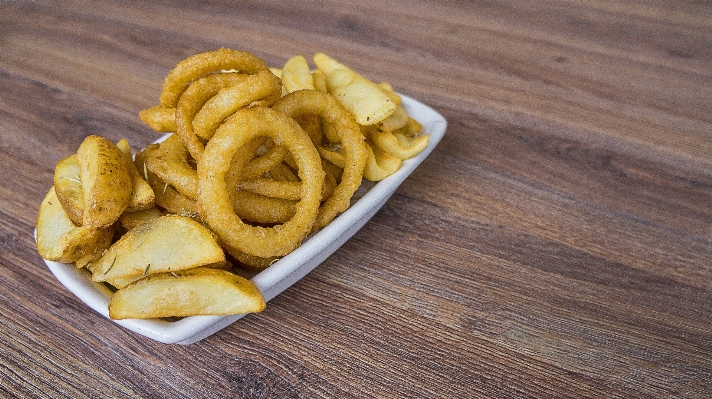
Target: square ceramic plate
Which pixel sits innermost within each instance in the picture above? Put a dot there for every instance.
(281, 274)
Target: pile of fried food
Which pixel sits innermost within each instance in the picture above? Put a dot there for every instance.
(258, 159)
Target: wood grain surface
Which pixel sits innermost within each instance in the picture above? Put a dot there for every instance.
(557, 242)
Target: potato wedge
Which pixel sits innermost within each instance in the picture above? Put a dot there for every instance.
(380, 164)
(68, 187)
(199, 291)
(60, 240)
(368, 101)
(106, 181)
(130, 220)
(400, 145)
(142, 196)
(159, 118)
(296, 75)
(398, 119)
(164, 244)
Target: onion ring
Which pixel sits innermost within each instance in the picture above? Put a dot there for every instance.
(166, 196)
(312, 102)
(192, 100)
(260, 89)
(214, 203)
(260, 209)
(198, 65)
(170, 162)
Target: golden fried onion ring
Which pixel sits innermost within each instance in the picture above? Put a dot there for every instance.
(312, 102)
(192, 100)
(214, 203)
(261, 89)
(198, 65)
(171, 163)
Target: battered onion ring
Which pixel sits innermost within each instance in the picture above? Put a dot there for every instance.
(312, 102)
(250, 262)
(283, 171)
(170, 162)
(192, 100)
(260, 89)
(166, 196)
(199, 65)
(284, 189)
(214, 203)
(260, 209)
(262, 164)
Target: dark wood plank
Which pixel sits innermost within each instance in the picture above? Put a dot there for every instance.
(557, 243)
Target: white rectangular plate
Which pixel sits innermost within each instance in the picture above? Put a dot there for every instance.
(282, 273)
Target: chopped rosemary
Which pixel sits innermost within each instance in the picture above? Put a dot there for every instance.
(112, 265)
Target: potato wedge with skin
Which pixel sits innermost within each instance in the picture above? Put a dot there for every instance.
(131, 220)
(68, 187)
(142, 196)
(164, 244)
(199, 291)
(106, 181)
(60, 240)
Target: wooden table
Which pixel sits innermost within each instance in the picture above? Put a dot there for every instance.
(557, 242)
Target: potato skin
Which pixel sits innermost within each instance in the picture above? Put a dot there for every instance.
(106, 181)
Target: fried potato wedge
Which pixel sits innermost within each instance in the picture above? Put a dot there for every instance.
(164, 244)
(200, 291)
(142, 196)
(68, 187)
(296, 75)
(60, 240)
(368, 101)
(400, 145)
(379, 163)
(106, 181)
(130, 220)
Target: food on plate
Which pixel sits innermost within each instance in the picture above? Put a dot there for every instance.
(167, 243)
(105, 180)
(363, 97)
(296, 75)
(312, 102)
(257, 159)
(184, 293)
(170, 162)
(159, 118)
(202, 64)
(129, 220)
(142, 196)
(259, 89)
(68, 188)
(214, 205)
(61, 240)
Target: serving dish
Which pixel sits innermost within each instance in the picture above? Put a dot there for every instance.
(283, 273)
